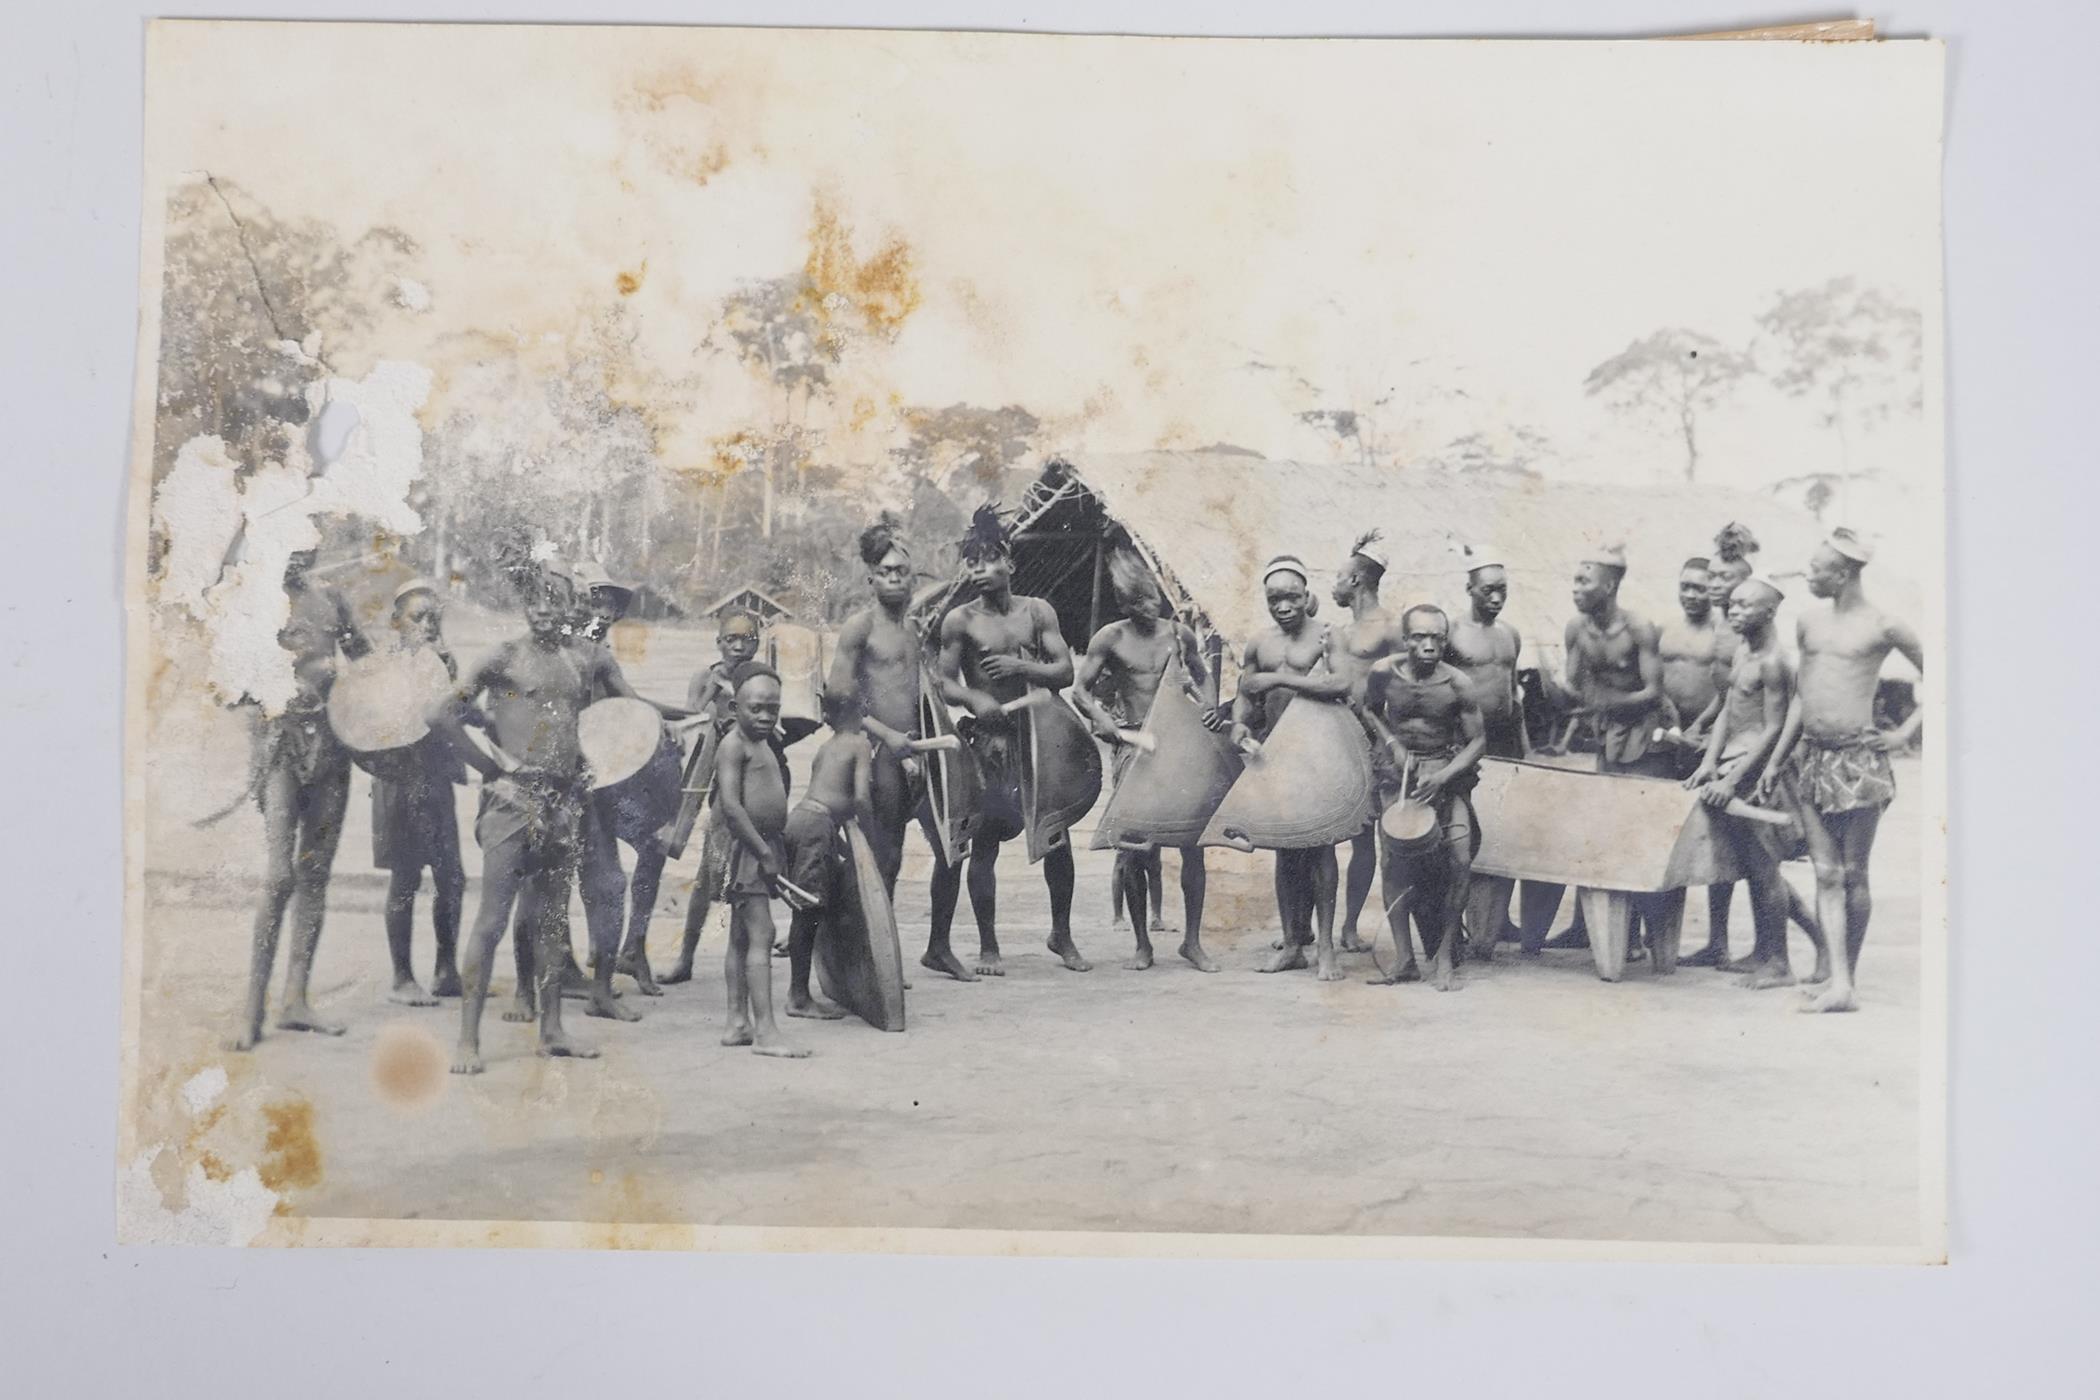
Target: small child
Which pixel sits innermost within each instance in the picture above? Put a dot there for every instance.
(752, 796)
(840, 789)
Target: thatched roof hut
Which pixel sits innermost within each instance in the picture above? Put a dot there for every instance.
(1208, 521)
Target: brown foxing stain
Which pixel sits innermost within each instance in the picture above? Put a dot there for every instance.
(863, 413)
(710, 163)
(291, 1154)
(408, 1066)
(630, 642)
(631, 282)
(882, 289)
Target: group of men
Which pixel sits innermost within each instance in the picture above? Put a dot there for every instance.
(1710, 699)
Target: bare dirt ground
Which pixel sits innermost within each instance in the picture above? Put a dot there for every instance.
(1535, 1102)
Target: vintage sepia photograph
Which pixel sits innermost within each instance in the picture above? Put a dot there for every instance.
(963, 642)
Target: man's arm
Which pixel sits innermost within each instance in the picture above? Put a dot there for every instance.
(606, 675)
(1054, 671)
(1243, 699)
(954, 689)
(1903, 639)
(1715, 739)
(864, 787)
(347, 634)
(1333, 683)
(1092, 666)
(447, 716)
(1474, 727)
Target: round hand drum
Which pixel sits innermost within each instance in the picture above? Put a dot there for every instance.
(377, 704)
(1410, 824)
(634, 762)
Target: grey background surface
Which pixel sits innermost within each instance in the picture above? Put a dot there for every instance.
(79, 1315)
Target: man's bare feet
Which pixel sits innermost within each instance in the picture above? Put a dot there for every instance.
(605, 1005)
(1276, 942)
(244, 1040)
(780, 947)
(1408, 973)
(814, 1009)
(1140, 960)
(1349, 942)
(1330, 969)
(1443, 978)
(523, 1007)
(681, 972)
(1768, 976)
(467, 1060)
(988, 964)
(944, 960)
(1709, 956)
(1750, 963)
(298, 1016)
(1819, 974)
(409, 992)
(1830, 999)
(1159, 924)
(445, 983)
(739, 1033)
(779, 1048)
(1066, 952)
(559, 1046)
(636, 965)
(1289, 958)
(1195, 956)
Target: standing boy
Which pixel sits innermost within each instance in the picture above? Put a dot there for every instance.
(751, 793)
(415, 824)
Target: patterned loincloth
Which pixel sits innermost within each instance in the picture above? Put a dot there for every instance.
(1846, 775)
(996, 746)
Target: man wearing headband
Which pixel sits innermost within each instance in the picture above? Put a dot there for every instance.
(1278, 665)
(1614, 669)
(300, 776)
(1353, 648)
(1130, 660)
(1838, 771)
(1487, 651)
(415, 822)
(996, 648)
(1424, 712)
(876, 668)
(1745, 733)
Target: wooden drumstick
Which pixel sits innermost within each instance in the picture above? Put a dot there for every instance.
(1022, 702)
(1138, 739)
(1738, 808)
(938, 743)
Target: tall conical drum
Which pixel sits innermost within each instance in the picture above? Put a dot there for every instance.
(1166, 796)
(1060, 773)
(1310, 784)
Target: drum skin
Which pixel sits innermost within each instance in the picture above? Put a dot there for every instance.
(634, 763)
(860, 964)
(1060, 774)
(1310, 785)
(377, 704)
(1168, 796)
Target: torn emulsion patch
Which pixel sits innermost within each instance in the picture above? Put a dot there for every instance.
(230, 1212)
(201, 508)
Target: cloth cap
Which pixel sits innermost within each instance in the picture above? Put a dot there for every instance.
(415, 585)
(1376, 552)
(1766, 580)
(1285, 564)
(1611, 556)
(1482, 556)
(1849, 544)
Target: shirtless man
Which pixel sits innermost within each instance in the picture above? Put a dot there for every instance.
(1431, 724)
(736, 642)
(1723, 574)
(300, 775)
(1686, 646)
(605, 884)
(1832, 760)
(415, 824)
(532, 800)
(996, 648)
(1486, 651)
(751, 791)
(840, 790)
(1615, 672)
(1130, 660)
(1744, 734)
(1354, 646)
(1288, 660)
(876, 666)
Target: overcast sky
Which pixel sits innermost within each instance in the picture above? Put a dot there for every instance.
(1109, 231)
